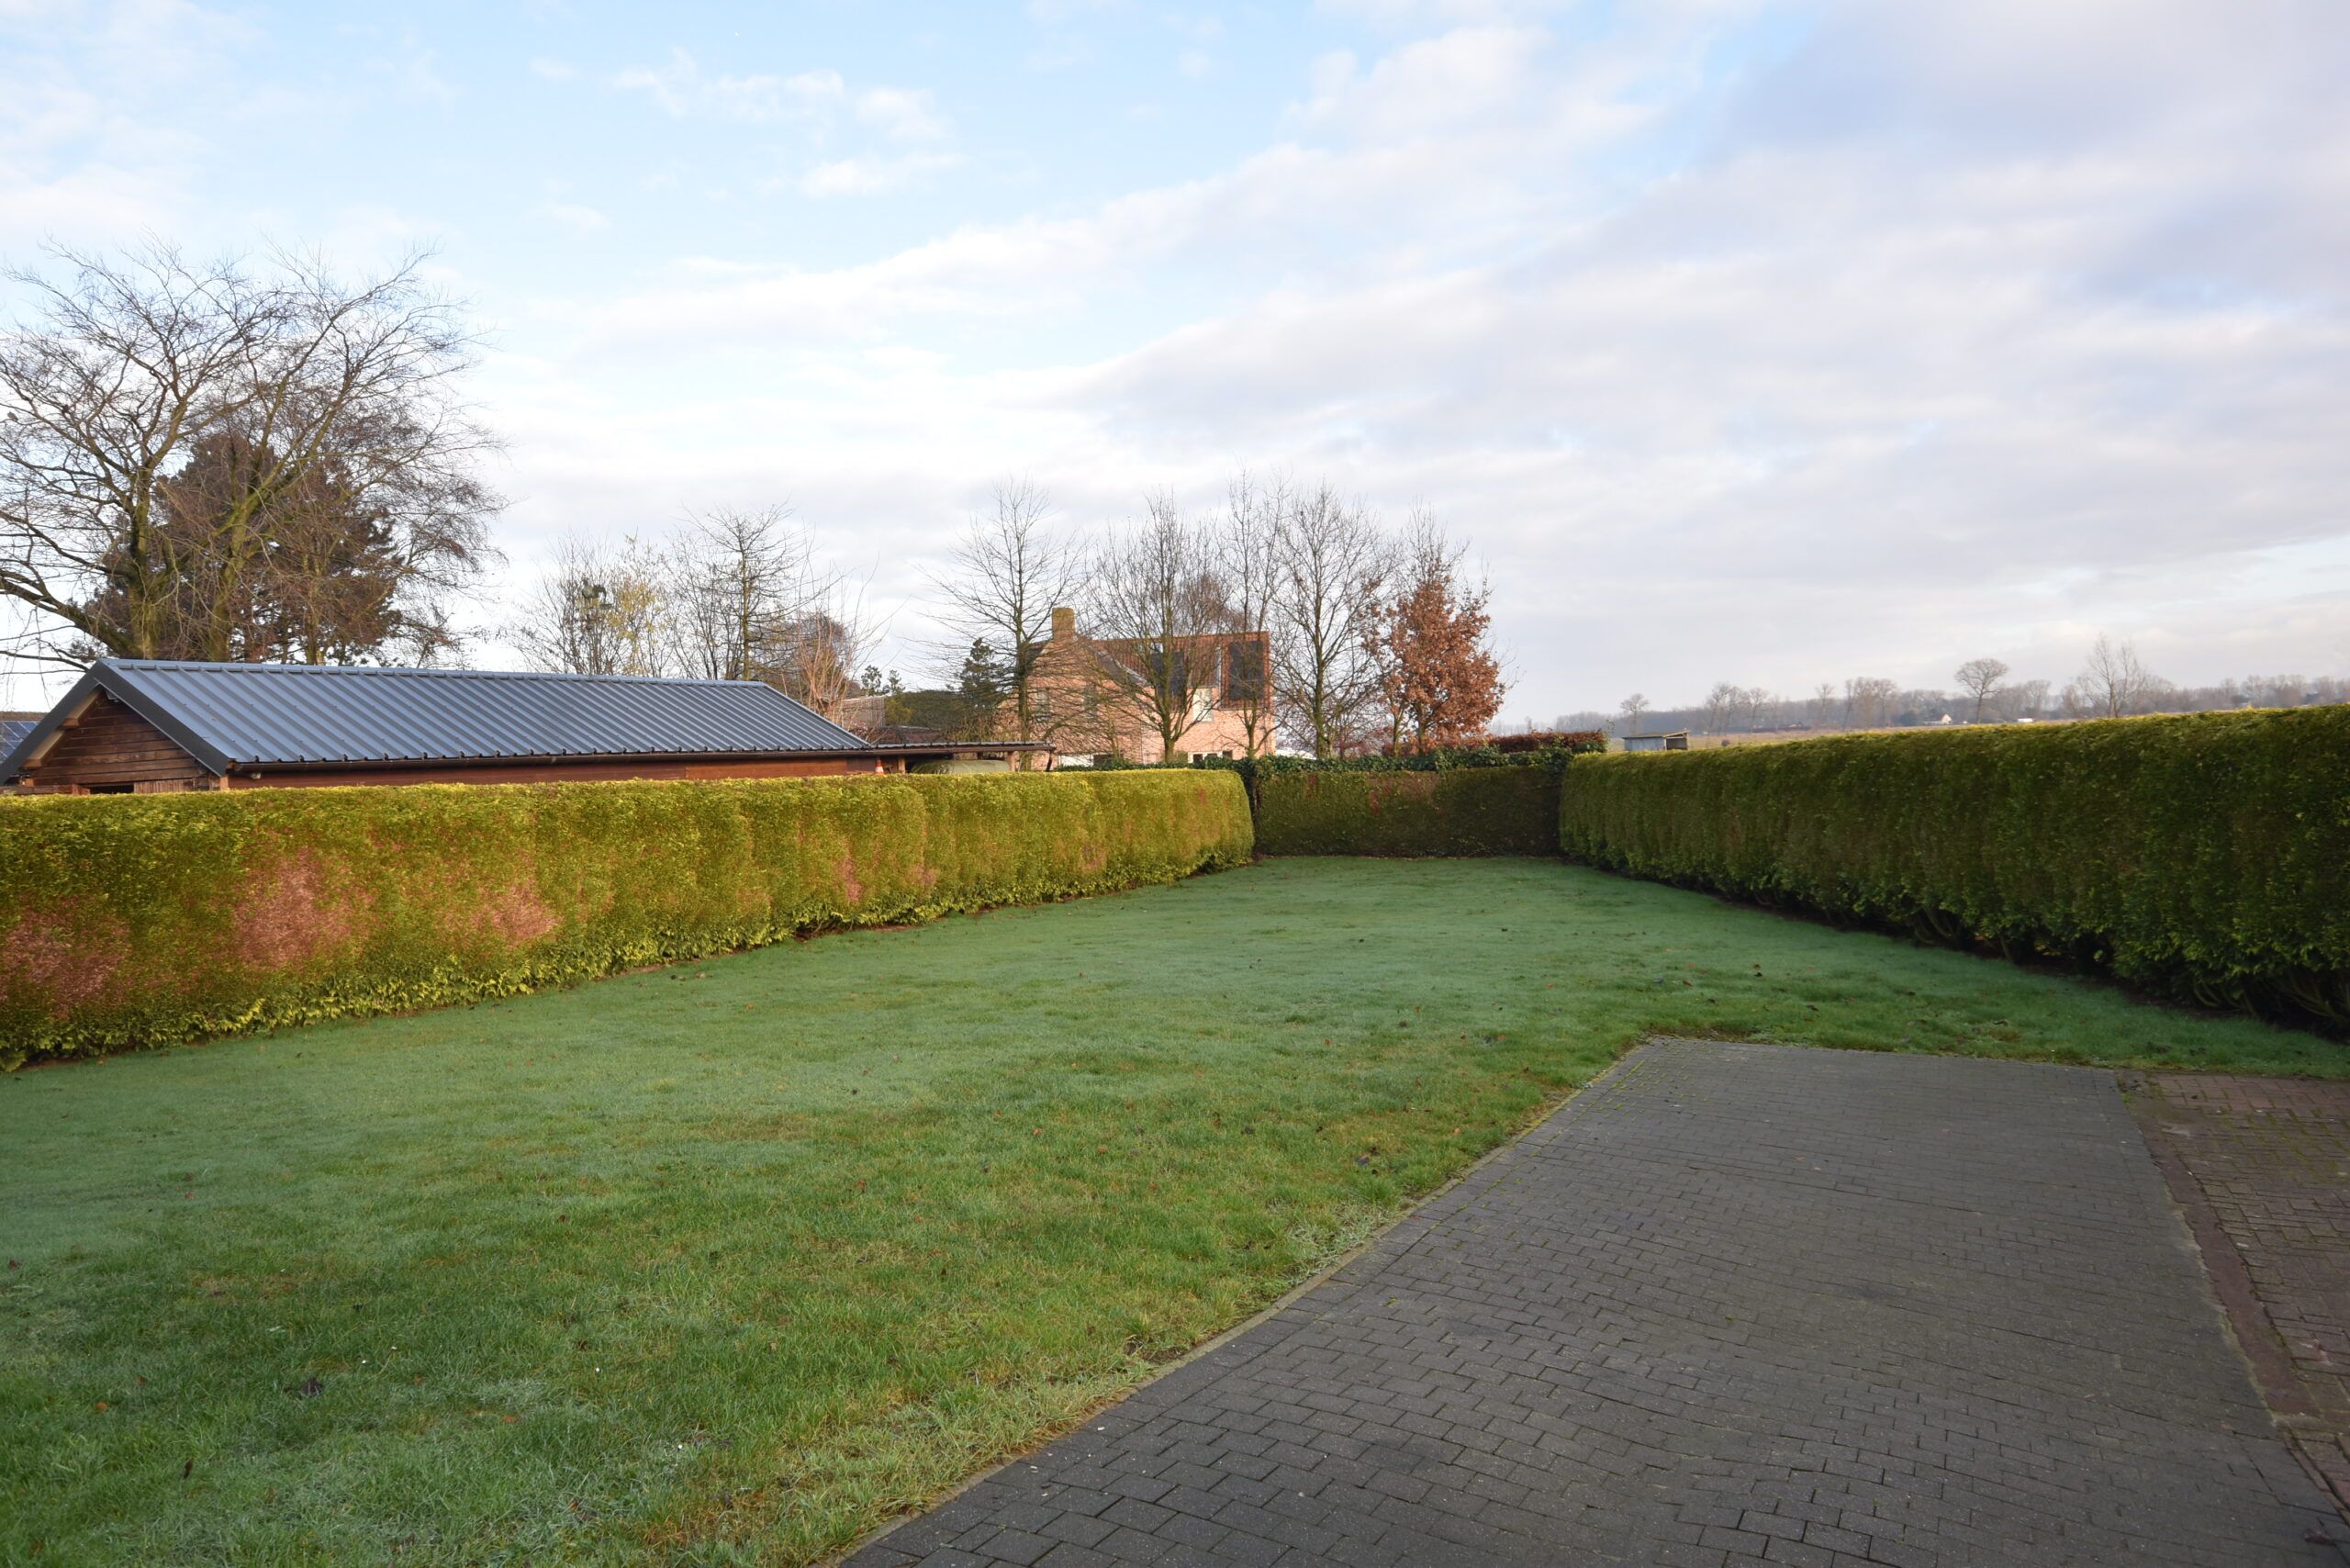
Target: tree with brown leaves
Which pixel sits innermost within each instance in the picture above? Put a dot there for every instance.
(1441, 685)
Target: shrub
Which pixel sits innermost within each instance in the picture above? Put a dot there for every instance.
(138, 921)
(1576, 742)
(1555, 753)
(2203, 855)
(1459, 811)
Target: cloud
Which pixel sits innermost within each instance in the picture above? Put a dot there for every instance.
(901, 114)
(1458, 77)
(819, 100)
(825, 110)
(682, 90)
(1054, 12)
(549, 69)
(578, 219)
(79, 159)
(1741, 354)
(873, 176)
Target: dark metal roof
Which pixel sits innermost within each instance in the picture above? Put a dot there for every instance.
(240, 715)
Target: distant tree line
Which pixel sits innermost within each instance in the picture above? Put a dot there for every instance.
(1378, 639)
(736, 594)
(2113, 682)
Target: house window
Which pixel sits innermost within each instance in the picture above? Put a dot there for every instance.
(1168, 668)
(1244, 680)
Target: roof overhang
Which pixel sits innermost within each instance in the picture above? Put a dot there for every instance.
(953, 748)
(104, 678)
(608, 759)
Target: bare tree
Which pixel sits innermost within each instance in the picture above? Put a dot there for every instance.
(1978, 679)
(1155, 595)
(1248, 566)
(2277, 691)
(1721, 706)
(2114, 683)
(1820, 708)
(597, 612)
(1870, 701)
(1632, 707)
(740, 579)
(2023, 699)
(315, 397)
(1003, 582)
(1332, 561)
(818, 653)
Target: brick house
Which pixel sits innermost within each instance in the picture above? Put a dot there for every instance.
(1087, 698)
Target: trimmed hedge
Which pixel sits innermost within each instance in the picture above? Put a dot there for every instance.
(1464, 810)
(139, 921)
(1574, 742)
(2205, 855)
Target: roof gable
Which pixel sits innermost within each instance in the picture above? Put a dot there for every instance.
(237, 715)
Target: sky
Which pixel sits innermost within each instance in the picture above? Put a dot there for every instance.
(1743, 341)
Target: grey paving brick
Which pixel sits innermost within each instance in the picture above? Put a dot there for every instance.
(1733, 1305)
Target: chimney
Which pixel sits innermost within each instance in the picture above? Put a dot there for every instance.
(1064, 623)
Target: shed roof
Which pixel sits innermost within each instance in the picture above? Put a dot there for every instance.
(238, 715)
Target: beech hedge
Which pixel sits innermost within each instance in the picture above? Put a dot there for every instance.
(1457, 810)
(2204, 855)
(143, 920)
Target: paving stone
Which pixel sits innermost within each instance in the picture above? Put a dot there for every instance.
(1733, 1304)
(2261, 1167)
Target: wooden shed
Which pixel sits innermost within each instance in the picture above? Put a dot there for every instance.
(156, 725)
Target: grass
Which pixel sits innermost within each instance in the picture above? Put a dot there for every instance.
(728, 1263)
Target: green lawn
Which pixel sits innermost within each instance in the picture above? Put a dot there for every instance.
(728, 1263)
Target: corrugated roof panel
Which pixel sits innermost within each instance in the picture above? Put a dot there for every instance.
(324, 714)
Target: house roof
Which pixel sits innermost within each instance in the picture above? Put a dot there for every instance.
(238, 715)
(14, 730)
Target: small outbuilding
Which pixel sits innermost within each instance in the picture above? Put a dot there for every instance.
(1669, 740)
(151, 726)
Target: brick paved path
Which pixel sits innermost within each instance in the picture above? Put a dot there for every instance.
(2266, 1164)
(1734, 1305)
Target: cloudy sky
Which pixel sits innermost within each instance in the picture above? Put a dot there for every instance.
(1753, 341)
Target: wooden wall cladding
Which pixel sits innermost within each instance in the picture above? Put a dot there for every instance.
(108, 744)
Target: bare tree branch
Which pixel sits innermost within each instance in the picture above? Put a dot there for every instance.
(1331, 560)
(1157, 603)
(1003, 579)
(181, 443)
